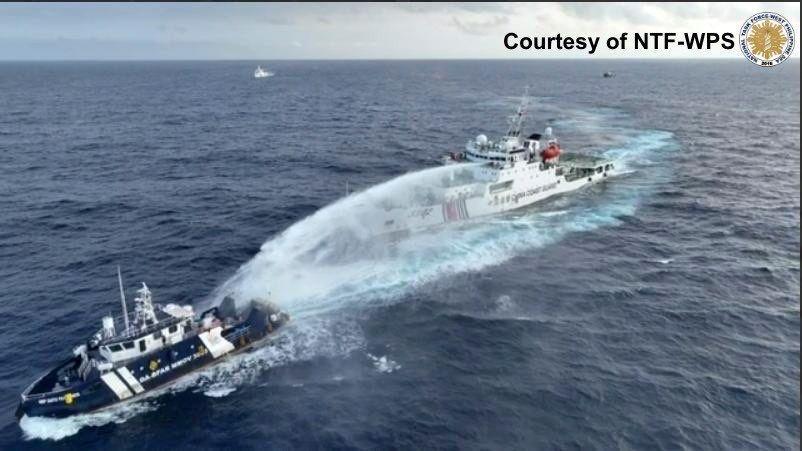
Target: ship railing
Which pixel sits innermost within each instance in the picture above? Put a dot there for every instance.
(118, 320)
(122, 334)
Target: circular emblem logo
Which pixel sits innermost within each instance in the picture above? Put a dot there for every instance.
(767, 39)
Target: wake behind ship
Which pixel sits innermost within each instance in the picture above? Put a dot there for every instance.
(157, 345)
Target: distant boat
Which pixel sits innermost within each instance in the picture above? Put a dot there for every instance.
(261, 73)
(609, 74)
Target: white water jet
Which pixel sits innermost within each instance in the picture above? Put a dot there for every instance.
(334, 259)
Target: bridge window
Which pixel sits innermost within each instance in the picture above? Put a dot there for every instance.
(115, 348)
(128, 345)
(142, 345)
(500, 186)
(173, 328)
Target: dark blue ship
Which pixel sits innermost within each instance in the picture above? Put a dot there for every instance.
(155, 345)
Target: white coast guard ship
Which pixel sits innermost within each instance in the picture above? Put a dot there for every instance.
(493, 177)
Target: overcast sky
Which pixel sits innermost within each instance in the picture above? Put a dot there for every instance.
(349, 31)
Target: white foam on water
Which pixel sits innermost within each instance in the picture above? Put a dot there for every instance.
(219, 390)
(299, 341)
(504, 303)
(58, 428)
(384, 364)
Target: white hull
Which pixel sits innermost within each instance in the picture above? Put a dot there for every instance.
(463, 202)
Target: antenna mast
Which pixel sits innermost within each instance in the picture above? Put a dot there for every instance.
(122, 298)
(517, 120)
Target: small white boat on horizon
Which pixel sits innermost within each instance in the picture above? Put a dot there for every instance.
(261, 73)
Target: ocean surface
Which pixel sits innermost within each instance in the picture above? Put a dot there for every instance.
(657, 310)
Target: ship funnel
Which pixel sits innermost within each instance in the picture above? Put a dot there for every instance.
(108, 327)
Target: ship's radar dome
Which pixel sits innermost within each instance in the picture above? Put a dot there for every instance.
(481, 140)
(547, 132)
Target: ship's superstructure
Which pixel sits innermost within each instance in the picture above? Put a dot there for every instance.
(151, 347)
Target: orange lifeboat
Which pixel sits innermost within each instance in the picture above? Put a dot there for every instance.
(550, 153)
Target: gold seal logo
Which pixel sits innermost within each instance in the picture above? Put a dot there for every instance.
(767, 39)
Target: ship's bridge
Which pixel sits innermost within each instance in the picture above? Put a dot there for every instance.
(508, 151)
(135, 342)
(144, 330)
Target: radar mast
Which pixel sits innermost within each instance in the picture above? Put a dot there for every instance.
(144, 311)
(122, 298)
(516, 121)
